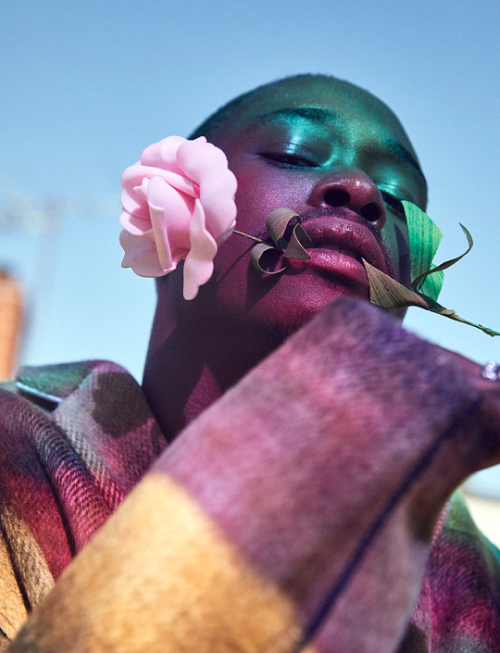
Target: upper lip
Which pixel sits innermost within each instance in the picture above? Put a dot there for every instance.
(347, 234)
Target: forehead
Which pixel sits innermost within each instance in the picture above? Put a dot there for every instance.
(347, 104)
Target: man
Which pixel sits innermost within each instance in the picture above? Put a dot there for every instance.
(297, 510)
(321, 147)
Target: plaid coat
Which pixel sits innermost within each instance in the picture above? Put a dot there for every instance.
(77, 438)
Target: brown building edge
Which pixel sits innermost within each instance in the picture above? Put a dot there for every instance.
(11, 320)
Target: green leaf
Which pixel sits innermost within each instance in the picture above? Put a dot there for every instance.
(433, 283)
(258, 251)
(424, 236)
(438, 270)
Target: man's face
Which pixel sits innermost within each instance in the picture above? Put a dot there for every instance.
(339, 158)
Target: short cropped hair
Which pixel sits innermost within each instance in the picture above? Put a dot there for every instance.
(219, 117)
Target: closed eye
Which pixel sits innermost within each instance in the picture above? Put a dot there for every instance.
(284, 160)
(394, 204)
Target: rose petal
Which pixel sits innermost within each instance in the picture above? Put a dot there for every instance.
(199, 266)
(171, 178)
(131, 201)
(206, 165)
(141, 255)
(181, 183)
(157, 191)
(133, 187)
(134, 225)
(225, 236)
(163, 155)
(177, 209)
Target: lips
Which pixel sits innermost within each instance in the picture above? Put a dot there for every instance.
(339, 245)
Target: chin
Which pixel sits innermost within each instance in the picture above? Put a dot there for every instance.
(292, 302)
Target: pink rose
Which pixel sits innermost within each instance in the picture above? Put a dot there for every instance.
(178, 203)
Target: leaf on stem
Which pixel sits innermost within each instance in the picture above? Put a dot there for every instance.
(299, 240)
(293, 247)
(257, 252)
(424, 236)
(389, 293)
(276, 225)
(417, 283)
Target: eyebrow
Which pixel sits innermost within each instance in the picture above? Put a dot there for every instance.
(319, 116)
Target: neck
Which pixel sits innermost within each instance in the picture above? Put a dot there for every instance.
(192, 363)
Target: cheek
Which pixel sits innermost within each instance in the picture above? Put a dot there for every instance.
(259, 194)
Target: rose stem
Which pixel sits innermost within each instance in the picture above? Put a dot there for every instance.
(240, 233)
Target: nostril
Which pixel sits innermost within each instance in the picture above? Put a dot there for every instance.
(371, 212)
(336, 197)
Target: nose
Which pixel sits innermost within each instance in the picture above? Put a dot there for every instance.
(352, 188)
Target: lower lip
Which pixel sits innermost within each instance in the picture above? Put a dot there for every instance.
(335, 263)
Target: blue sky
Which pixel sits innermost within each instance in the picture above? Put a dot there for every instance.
(85, 86)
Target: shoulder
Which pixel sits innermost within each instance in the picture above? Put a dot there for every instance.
(80, 434)
(98, 406)
(49, 385)
(101, 390)
(459, 606)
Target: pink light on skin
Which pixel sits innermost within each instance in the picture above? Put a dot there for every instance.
(301, 144)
